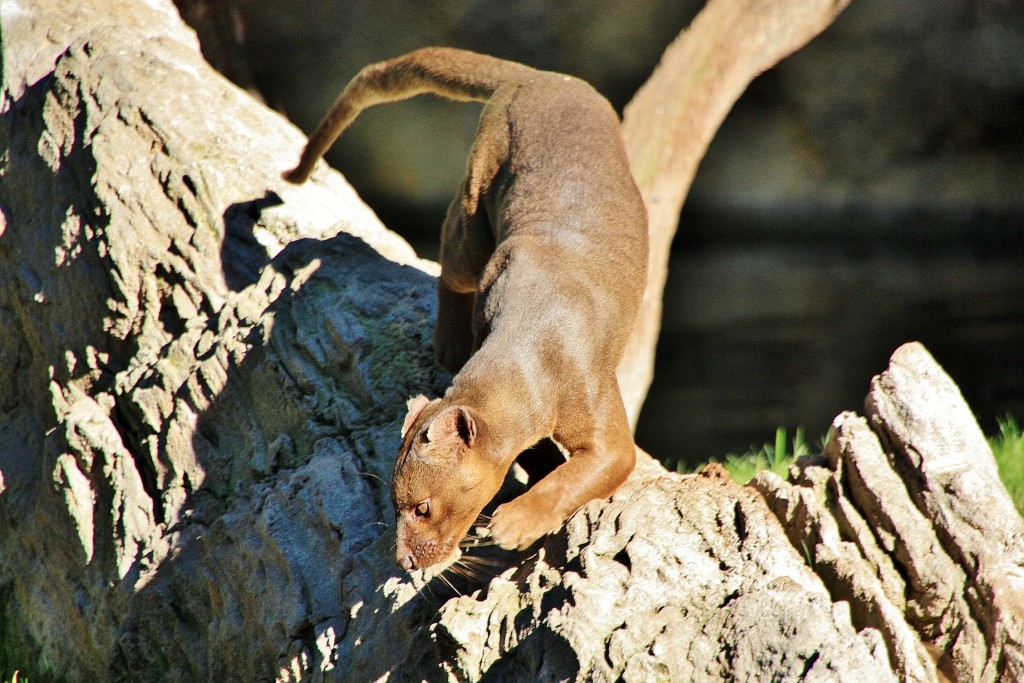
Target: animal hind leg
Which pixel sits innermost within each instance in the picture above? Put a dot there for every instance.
(453, 334)
(466, 245)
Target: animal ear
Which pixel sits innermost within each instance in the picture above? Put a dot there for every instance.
(454, 422)
(415, 406)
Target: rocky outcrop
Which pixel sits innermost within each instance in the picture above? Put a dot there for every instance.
(164, 356)
(904, 517)
(202, 378)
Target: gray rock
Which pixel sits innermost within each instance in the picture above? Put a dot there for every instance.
(145, 291)
(905, 517)
(202, 378)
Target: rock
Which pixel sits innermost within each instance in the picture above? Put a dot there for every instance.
(905, 517)
(600, 601)
(158, 361)
(202, 380)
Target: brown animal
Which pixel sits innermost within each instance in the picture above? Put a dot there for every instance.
(543, 266)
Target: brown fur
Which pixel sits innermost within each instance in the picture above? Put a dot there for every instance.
(543, 263)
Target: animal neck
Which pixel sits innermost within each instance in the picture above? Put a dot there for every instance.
(512, 418)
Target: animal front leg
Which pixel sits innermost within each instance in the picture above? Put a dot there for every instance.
(585, 476)
(595, 469)
(545, 507)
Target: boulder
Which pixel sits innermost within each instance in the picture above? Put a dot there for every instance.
(202, 380)
(905, 516)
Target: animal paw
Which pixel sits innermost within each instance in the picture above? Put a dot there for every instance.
(516, 525)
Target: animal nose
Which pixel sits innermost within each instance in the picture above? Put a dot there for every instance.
(406, 561)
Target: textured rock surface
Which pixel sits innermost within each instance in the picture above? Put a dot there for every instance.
(202, 376)
(905, 517)
(159, 364)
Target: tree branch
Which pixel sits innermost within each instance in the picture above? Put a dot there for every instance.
(670, 123)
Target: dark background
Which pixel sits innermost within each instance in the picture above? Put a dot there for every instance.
(867, 192)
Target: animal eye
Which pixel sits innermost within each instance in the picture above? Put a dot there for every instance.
(423, 509)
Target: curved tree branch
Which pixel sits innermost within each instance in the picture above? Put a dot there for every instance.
(671, 120)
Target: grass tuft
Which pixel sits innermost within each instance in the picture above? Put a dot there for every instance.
(776, 457)
(1007, 446)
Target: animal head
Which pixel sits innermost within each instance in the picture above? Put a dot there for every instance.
(441, 482)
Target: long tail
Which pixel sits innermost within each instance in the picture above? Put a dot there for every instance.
(454, 74)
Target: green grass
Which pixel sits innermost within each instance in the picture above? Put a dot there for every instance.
(1008, 447)
(776, 457)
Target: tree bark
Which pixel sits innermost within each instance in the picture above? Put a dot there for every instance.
(202, 380)
(671, 120)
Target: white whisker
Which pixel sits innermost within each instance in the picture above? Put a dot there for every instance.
(449, 583)
(374, 476)
(477, 560)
